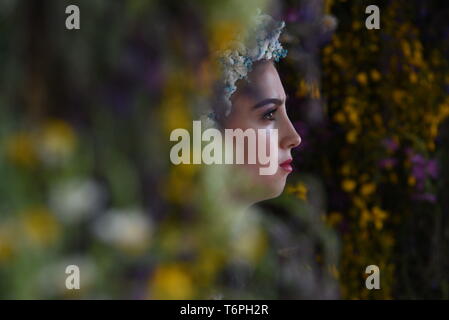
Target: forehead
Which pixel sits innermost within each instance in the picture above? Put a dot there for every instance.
(263, 82)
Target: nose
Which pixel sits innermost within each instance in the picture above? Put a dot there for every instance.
(290, 138)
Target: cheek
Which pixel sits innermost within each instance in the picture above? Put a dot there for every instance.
(262, 153)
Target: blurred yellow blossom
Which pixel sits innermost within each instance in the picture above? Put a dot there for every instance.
(223, 33)
(413, 77)
(375, 75)
(40, 226)
(180, 185)
(367, 189)
(348, 185)
(57, 141)
(362, 78)
(351, 136)
(340, 117)
(398, 96)
(379, 216)
(300, 190)
(207, 265)
(376, 215)
(20, 149)
(171, 282)
(175, 111)
(365, 218)
(334, 218)
(411, 181)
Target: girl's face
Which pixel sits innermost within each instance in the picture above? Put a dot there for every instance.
(259, 103)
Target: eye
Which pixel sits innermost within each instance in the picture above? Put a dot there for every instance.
(270, 114)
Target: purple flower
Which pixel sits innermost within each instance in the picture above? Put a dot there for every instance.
(432, 168)
(292, 15)
(418, 160)
(429, 197)
(419, 172)
(422, 169)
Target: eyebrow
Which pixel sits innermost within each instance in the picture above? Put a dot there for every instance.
(268, 101)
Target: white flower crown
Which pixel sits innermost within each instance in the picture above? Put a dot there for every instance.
(260, 42)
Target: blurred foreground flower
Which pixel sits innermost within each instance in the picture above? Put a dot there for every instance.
(129, 229)
(300, 190)
(171, 282)
(6, 242)
(52, 144)
(57, 142)
(20, 149)
(40, 226)
(75, 199)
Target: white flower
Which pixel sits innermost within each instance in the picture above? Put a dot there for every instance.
(75, 199)
(129, 229)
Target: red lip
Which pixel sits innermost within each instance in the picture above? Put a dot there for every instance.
(286, 165)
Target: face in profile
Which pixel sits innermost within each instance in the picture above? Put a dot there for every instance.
(259, 103)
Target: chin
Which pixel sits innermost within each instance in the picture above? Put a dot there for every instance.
(261, 187)
(272, 187)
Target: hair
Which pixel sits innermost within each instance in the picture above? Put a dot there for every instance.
(243, 87)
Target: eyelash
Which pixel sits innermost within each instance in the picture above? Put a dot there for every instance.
(272, 112)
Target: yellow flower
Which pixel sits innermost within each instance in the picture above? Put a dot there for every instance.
(328, 50)
(338, 60)
(209, 261)
(359, 203)
(353, 116)
(362, 78)
(406, 49)
(413, 77)
(20, 150)
(367, 189)
(348, 185)
(328, 5)
(398, 96)
(171, 282)
(223, 33)
(365, 218)
(308, 89)
(180, 182)
(302, 89)
(378, 120)
(300, 190)
(40, 226)
(351, 136)
(379, 216)
(334, 218)
(57, 141)
(340, 117)
(375, 75)
(175, 112)
(356, 25)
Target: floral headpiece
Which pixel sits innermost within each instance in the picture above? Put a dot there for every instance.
(260, 42)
